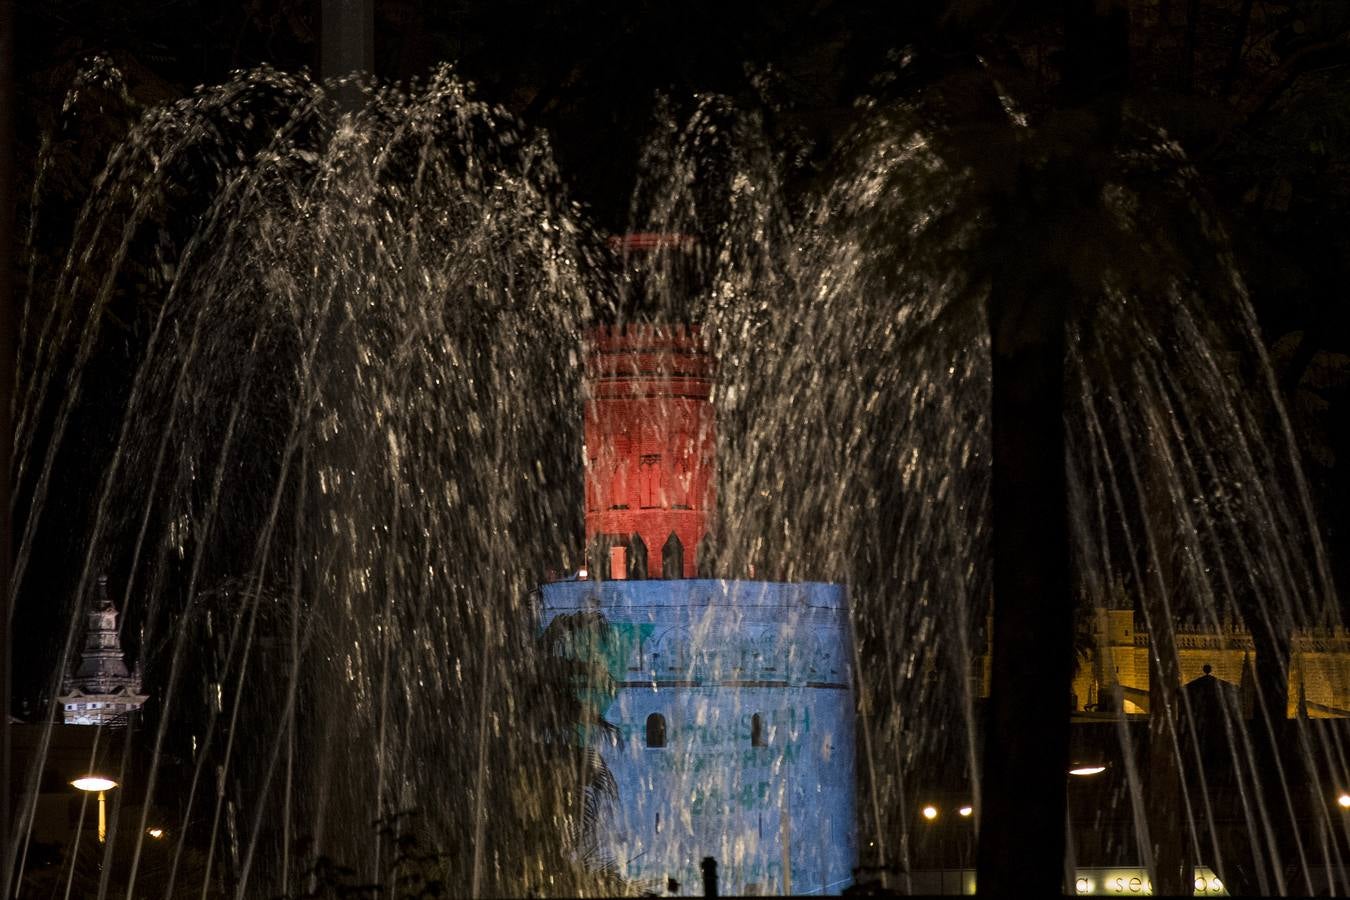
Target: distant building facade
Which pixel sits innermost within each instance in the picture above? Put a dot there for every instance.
(100, 689)
(1319, 665)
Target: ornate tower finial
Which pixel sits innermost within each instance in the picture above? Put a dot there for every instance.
(100, 690)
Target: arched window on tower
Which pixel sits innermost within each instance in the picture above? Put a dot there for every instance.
(672, 557)
(598, 559)
(649, 480)
(637, 557)
(757, 736)
(656, 730)
(703, 556)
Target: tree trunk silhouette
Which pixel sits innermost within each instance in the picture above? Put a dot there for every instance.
(1021, 849)
(1039, 221)
(8, 369)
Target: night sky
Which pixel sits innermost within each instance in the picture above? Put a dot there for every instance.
(1257, 92)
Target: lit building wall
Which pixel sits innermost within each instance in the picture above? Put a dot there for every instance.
(1319, 669)
(735, 711)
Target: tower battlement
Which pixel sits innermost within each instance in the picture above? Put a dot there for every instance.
(642, 335)
(619, 354)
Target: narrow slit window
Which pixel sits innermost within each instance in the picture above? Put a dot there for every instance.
(757, 737)
(656, 730)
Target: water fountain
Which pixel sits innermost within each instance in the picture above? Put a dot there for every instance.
(349, 449)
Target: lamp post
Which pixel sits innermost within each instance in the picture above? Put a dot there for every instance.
(100, 785)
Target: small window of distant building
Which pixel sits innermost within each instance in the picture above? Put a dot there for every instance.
(656, 730)
(757, 737)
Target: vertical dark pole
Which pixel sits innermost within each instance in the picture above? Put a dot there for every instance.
(8, 373)
(347, 43)
(709, 867)
(1163, 801)
(1022, 798)
(347, 47)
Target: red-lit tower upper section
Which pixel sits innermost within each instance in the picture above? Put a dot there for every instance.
(650, 438)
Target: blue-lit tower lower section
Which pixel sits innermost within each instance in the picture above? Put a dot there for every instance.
(735, 714)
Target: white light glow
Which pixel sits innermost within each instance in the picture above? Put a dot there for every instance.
(94, 783)
(1087, 770)
(1344, 801)
(929, 812)
(155, 833)
(965, 811)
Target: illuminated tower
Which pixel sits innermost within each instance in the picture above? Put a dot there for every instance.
(734, 705)
(100, 690)
(649, 450)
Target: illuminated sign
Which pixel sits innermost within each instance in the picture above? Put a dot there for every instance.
(1135, 882)
(1109, 882)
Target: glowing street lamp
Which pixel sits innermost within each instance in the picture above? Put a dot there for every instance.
(965, 811)
(1085, 770)
(1344, 801)
(100, 785)
(929, 812)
